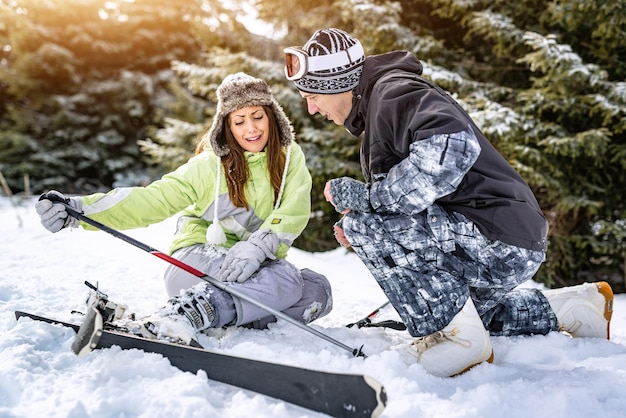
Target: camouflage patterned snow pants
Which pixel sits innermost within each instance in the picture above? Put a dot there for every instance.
(430, 263)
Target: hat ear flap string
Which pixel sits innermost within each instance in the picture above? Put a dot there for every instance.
(284, 178)
(215, 233)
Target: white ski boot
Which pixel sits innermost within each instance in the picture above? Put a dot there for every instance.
(461, 345)
(584, 310)
(179, 320)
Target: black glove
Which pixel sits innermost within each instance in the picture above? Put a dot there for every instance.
(53, 215)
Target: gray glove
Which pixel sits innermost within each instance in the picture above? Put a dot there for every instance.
(245, 257)
(53, 215)
(350, 194)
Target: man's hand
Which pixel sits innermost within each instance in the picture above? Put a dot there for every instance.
(347, 194)
(340, 236)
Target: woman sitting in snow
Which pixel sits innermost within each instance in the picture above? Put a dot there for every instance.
(244, 197)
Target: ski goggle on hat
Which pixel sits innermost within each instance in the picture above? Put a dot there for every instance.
(298, 63)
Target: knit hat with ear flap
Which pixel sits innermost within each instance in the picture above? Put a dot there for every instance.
(241, 90)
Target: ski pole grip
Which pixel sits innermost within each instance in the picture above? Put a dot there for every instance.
(57, 197)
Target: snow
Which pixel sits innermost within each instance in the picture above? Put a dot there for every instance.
(540, 376)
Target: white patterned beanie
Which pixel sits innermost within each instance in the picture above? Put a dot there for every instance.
(241, 90)
(334, 80)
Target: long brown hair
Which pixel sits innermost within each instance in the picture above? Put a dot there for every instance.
(236, 167)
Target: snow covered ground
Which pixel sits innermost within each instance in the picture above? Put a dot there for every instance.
(540, 376)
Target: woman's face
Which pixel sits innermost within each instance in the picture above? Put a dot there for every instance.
(250, 127)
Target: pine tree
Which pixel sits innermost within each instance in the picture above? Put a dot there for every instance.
(542, 80)
(84, 78)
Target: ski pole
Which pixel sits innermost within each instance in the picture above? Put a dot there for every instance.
(368, 319)
(356, 352)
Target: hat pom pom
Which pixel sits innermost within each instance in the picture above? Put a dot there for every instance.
(215, 234)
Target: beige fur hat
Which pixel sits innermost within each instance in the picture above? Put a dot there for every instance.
(241, 90)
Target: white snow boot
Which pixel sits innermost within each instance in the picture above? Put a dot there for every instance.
(584, 310)
(461, 345)
(179, 320)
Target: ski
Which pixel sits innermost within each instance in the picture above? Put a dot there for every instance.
(335, 394)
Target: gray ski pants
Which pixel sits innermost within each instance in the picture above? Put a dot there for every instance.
(428, 264)
(304, 295)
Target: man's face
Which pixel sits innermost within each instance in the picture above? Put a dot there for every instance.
(335, 107)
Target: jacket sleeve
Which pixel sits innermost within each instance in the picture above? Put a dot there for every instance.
(135, 207)
(291, 217)
(434, 168)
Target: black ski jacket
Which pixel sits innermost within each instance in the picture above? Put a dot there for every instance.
(416, 133)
